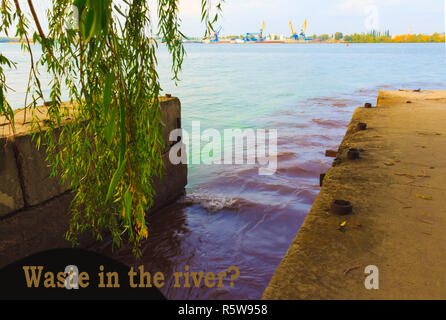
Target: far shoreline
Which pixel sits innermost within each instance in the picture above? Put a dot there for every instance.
(272, 42)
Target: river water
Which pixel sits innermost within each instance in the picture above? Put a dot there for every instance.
(231, 215)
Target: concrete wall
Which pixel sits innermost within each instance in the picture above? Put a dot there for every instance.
(34, 206)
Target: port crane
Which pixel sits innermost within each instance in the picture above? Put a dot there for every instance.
(302, 35)
(256, 36)
(216, 34)
(293, 34)
(304, 30)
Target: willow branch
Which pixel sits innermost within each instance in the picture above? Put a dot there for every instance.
(32, 70)
(36, 19)
(37, 22)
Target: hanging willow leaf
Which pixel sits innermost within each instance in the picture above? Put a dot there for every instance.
(108, 94)
(123, 133)
(128, 197)
(115, 179)
(80, 4)
(88, 25)
(110, 129)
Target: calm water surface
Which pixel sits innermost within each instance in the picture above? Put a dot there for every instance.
(230, 214)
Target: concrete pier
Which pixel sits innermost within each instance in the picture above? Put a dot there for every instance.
(397, 190)
(34, 206)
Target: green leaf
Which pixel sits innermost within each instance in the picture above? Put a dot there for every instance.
(128, 198)
(98, 15)
(123, 134)
(110, 129)
(108, 93)
(89, 24)
(115, 179)
(80, 4)
(2, 97)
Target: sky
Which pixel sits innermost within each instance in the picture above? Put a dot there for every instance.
(323, 16)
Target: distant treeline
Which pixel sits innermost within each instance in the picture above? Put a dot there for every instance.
(370, 37)
(379, 37)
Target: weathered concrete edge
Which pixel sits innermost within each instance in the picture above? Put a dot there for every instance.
(321, 204)
(25, 179)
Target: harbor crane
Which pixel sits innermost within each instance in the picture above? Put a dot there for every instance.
(256, 36)
(216, 34)
(301, 35)
(293, 34)
(303, 30)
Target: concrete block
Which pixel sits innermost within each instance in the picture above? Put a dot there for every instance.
(38, 185)
(11, 197)
(171, 118)
(172, 184)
